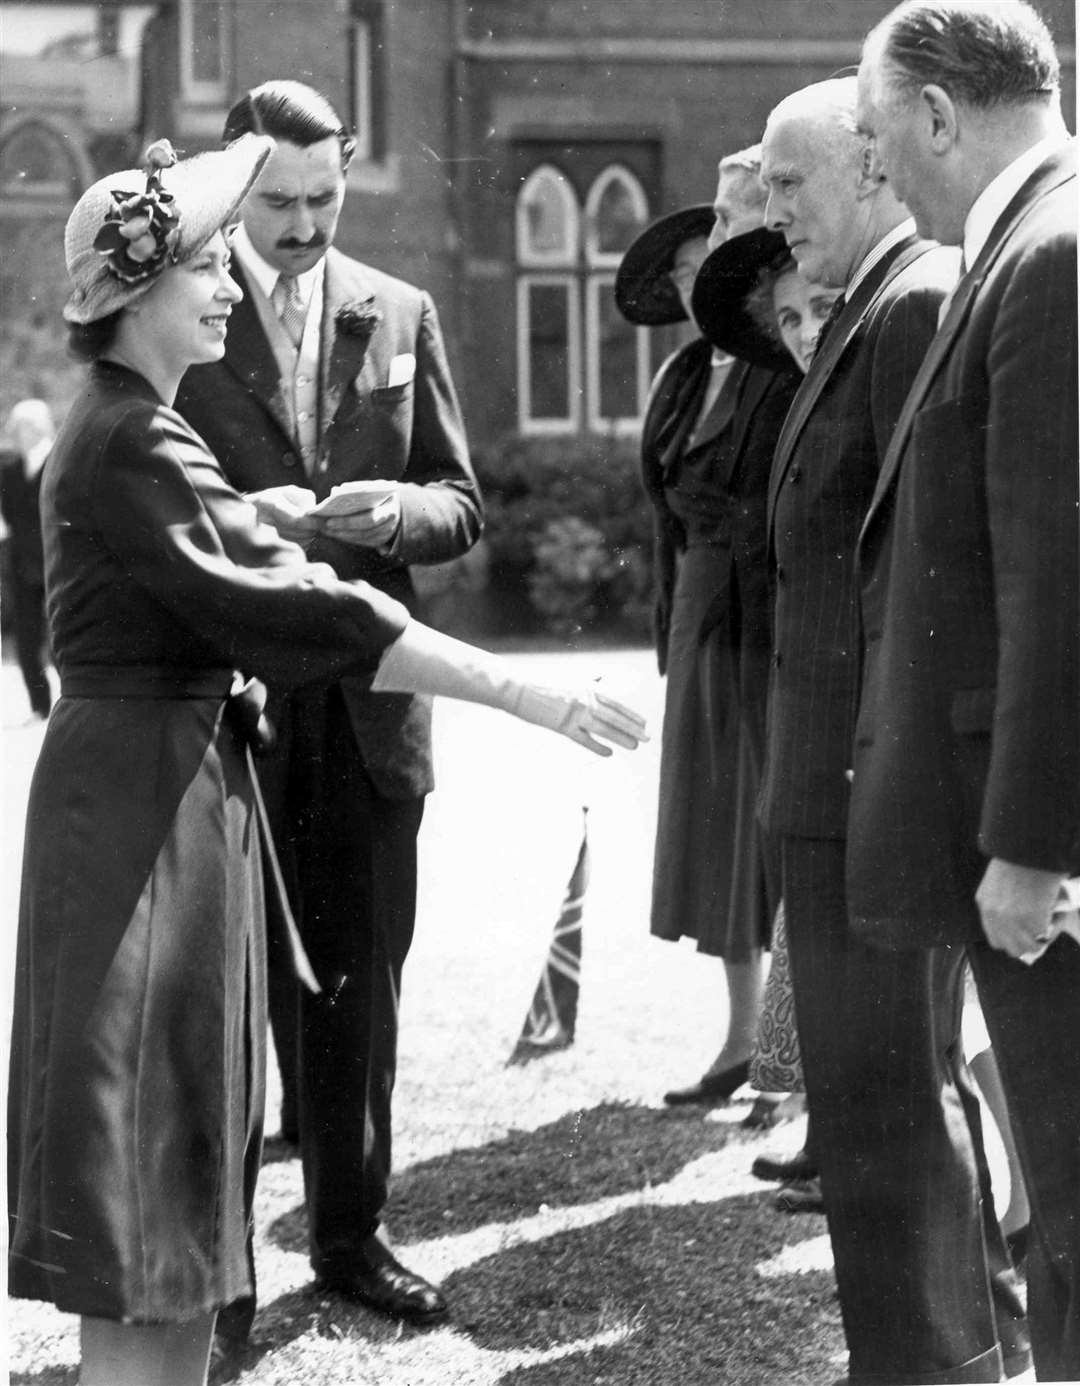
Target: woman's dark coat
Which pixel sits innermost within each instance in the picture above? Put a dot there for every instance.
(137, 1055)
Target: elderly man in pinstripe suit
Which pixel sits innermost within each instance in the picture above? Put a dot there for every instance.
(895, 1123)
(966, 806)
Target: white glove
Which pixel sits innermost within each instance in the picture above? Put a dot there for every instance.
(582, 714)
(422, 660)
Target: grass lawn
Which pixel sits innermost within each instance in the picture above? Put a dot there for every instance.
(582, 1232)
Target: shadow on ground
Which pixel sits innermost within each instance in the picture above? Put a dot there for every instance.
(609, 1150)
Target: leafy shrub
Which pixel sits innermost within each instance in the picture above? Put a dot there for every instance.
(569, 527)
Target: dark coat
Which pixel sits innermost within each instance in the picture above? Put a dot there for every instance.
(411, 432)
(826, 465)
(969, 729)
(756, 402)
(135, 1100)
(20, 498)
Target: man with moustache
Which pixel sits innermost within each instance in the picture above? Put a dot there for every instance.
(896, 1126)
(966, 805)
(333, 373)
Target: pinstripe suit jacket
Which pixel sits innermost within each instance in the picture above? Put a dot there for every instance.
(968, 742)
(824, 471)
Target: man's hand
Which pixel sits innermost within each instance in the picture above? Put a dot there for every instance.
(367, 529)
(286, 508)
(1015, 903)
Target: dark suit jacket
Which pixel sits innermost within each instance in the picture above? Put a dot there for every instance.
(752, 405)
(20, 504)
(826, 465)
(968, 744)
(412, 433)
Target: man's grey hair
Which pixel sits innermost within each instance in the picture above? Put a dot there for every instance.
(982, 54)
(747, 162)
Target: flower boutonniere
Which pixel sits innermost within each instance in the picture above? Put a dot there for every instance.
(358, 318)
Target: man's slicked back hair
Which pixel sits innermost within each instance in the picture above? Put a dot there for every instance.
(288, 111)
(982, 54)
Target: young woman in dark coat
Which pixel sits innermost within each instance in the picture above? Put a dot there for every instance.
(136, 1089)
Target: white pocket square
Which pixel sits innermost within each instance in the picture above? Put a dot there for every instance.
(402, 370)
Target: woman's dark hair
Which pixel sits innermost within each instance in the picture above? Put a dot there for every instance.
(87, 340)
(288, 111)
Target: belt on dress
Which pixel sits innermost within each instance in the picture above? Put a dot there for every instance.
(246, 702)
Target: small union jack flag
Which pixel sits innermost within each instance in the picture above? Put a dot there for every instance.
(552, 1016)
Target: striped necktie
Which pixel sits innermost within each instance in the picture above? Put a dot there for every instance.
(290, 307)
(830, 322)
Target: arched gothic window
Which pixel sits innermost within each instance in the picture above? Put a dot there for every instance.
(579, 362)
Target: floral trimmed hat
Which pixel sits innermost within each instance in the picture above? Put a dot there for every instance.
(127, 227)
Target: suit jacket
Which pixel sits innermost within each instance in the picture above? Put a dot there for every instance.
(412, 433)
(751, 405)
(824, 471)
(968, 738)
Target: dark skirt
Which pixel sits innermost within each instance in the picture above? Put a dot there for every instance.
(136, 1095)
(709, 878)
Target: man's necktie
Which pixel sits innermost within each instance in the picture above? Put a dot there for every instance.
(290, 308)
(946, 302)
(829, 323)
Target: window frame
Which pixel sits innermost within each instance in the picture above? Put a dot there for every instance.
(549, 426)
(197, 91)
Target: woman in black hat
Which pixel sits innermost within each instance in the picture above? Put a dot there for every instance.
(136, 1092)
(708, 877)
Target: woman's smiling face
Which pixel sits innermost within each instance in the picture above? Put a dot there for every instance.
(190, 303)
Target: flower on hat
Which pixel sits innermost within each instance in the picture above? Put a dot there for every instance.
(358, 317)
(141, 230)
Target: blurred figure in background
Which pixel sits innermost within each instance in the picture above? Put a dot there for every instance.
(30, 426)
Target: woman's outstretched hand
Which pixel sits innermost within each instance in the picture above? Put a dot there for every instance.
(585, 715)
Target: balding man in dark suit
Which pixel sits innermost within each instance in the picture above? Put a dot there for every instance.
(896, 1129)
(966, 809)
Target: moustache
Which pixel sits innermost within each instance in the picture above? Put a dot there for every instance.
(291, 243)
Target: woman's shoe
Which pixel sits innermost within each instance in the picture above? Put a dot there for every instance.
(712, 1088)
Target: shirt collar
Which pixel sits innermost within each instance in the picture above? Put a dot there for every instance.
(265, 275)
(998, 193)
(890, 239)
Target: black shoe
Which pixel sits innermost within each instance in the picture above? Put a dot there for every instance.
(712, 1088)
(382, 1283)
(797, 1166)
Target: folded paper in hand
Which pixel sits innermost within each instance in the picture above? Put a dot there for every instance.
(356, 497)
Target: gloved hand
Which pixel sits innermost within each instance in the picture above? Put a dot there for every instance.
(585, 715)
(422, 660)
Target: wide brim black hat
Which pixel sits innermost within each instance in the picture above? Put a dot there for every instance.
(643, 292)
(722, 292)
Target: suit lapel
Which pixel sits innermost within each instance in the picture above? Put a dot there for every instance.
(251, 358)
(1050, 175)
(683, 416)
(826, 361)
(344, 357)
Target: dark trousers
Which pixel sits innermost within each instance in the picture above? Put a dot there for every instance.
(926, 1291)
(28, 626)
(1033, 1018)
(350, 857)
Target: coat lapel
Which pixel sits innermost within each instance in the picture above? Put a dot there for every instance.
(343, 356)
(683, 416)
(1050, 175)
(251, 358)
(826, 361)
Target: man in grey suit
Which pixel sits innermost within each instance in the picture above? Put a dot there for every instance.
(966, 808)
(896, 1129)
(334, 372)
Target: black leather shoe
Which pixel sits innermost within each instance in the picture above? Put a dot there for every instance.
(797, 1166)
(382, 1283)
(712, 1088)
